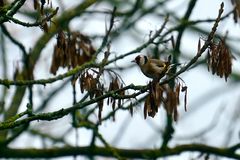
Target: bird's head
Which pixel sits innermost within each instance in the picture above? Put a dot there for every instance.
(141, 60)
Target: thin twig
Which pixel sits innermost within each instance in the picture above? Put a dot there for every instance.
(35, 24)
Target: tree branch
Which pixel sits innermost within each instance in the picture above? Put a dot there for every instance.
(35, 24)
(106, 152)
(63, 112)
(74, 71)
(15, 6)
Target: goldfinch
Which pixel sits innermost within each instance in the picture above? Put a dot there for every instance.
(153, 68)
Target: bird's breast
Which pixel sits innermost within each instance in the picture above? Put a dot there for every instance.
(149, 72)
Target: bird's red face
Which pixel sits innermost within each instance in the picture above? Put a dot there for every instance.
(137, 59)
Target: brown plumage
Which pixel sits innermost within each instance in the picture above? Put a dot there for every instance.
(152, 68)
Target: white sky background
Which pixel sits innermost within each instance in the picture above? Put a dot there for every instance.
(202, 106)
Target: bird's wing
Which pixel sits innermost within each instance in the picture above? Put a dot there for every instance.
(159, 66)
(158, 62)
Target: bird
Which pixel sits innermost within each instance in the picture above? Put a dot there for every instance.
(153, 68)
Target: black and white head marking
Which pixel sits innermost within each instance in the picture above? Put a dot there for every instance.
(141, 60)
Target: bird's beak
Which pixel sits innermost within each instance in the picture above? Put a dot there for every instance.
(133, 61)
